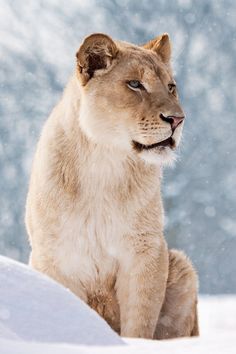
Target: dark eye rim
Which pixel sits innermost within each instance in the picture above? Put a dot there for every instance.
(138, 87)
(171, 87)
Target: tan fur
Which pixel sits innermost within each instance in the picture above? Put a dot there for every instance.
(94, 211)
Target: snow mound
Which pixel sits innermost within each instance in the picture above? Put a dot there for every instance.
(37, 315)
(35, 308)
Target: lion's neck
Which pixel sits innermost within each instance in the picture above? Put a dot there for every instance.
(100, 165)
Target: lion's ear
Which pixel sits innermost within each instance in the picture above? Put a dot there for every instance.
(96, 53)
(162, 46)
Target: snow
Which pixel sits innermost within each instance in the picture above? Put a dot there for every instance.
(37, 315)
(35, 308)
(38, 42)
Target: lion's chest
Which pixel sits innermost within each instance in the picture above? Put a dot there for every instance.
(89, 241)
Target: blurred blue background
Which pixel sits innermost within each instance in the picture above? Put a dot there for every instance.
(38, 41)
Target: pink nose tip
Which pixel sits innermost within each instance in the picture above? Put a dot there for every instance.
(173, 120)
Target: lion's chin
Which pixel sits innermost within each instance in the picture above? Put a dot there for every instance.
(169, 142)
(159, 156)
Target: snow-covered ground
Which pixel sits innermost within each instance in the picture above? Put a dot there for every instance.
(38, 316)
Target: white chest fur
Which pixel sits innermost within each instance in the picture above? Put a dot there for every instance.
(91, 233)
(92, 230)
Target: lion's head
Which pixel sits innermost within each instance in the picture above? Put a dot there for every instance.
(129, 97)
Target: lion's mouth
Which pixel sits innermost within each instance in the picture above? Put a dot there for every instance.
(165, 143)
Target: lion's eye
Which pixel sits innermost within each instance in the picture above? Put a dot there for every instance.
(135, 84)
(171, 88)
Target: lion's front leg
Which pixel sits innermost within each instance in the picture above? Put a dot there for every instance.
(141, 285)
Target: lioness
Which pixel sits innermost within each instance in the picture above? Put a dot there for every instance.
(94, 212)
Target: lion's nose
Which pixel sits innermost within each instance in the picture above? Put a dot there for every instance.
(173, 120)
